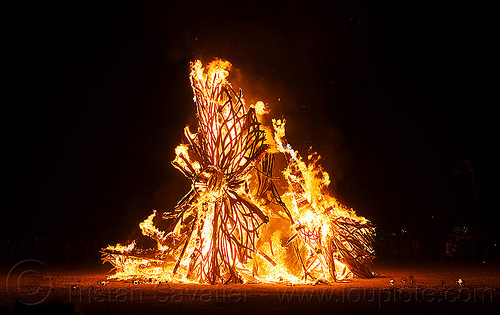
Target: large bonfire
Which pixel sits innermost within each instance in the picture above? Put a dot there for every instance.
(234, 225)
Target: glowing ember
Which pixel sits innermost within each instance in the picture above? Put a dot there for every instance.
(234, 225)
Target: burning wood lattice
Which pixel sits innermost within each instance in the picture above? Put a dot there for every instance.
(234, 225)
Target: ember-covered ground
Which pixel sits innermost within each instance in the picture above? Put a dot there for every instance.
(400, 287)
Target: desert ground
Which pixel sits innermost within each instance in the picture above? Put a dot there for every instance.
(32, 287)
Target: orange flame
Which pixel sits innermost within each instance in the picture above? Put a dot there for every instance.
(234, 225)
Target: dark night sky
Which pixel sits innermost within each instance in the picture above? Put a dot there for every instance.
(393, 95)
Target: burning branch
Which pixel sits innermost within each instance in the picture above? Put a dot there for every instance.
(233, 210)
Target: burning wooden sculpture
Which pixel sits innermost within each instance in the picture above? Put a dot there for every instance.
(234, 225)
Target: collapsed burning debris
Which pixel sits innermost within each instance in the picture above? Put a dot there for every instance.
(234, 225)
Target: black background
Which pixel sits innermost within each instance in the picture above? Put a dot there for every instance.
(394, 95)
